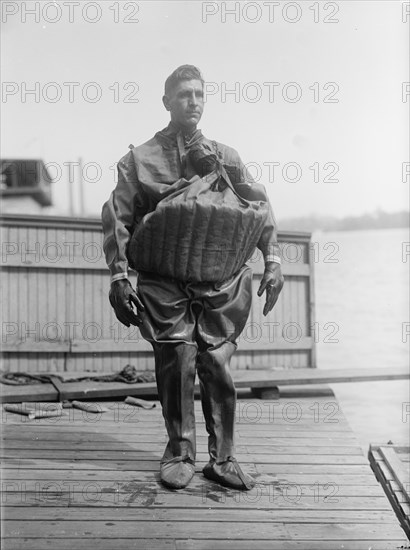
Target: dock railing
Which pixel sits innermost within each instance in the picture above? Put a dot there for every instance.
(56, 315)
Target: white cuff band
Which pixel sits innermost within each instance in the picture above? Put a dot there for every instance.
(119, 276)
(273, 258)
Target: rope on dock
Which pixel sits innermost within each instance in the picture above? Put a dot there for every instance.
(128, 375)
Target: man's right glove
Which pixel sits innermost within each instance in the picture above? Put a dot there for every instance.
(272, 281)
(122, 297)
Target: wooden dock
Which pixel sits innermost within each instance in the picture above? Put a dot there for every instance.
(391, 466)
(90, 481)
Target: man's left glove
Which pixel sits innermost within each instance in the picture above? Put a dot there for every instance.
(122, 296)
(272, 282)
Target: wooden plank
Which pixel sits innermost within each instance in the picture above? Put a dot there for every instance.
(75, 513)
(209, 496)
(153, 465)
(242, 431)
(195, 529)
(342, 532)
(24, 429)
(131, 427)
(294, 445)
(310, 479)
(262, 378)
(139, 486)
(243, 379)
(36, 346)
(158, 447)
(60, 388)
(328, 469)
(31, 392)
(248, 414)
(384, 472)
(85, 544)
(241, 437)
(397, 468)
(191, 544)
(131, 455)
(12, 437)
(263, 413)
(255, 427)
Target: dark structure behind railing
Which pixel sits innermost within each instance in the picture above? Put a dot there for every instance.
(25, 177)
(56, 314)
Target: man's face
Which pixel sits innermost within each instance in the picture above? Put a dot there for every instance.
(186, 103)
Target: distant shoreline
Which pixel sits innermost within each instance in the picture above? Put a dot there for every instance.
(375, 220)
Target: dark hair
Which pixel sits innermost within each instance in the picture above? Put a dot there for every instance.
(184, 72)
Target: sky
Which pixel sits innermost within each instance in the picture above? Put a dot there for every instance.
(316, 109)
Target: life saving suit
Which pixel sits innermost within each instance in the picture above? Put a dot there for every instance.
(191, 322)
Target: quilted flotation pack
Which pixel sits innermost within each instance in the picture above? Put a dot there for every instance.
(200, 231)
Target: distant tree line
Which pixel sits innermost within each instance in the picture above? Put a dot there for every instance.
(375, 220)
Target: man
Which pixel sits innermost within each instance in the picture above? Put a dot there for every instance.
(192, 325)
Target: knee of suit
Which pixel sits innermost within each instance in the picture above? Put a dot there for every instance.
(213, 367)
(175, 356)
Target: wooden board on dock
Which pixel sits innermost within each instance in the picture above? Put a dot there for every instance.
(91, 481)
(253, 379)
(391, 466)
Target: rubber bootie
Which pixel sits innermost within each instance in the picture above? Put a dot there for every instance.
(228, 474)
(177, 472)
(218, 396)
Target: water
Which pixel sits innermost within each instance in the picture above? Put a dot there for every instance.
(364, 296)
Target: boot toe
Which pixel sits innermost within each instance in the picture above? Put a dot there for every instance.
(177, 474)
(229, 474)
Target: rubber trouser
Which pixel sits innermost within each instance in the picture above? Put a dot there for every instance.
(194, 326)
(175, 370)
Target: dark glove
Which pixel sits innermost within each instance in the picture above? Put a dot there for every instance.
(122, 297)
(272, 282)
(203, 161)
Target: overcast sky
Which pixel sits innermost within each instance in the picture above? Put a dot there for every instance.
(325, 95)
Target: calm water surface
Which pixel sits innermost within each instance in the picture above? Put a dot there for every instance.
(364, 296)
